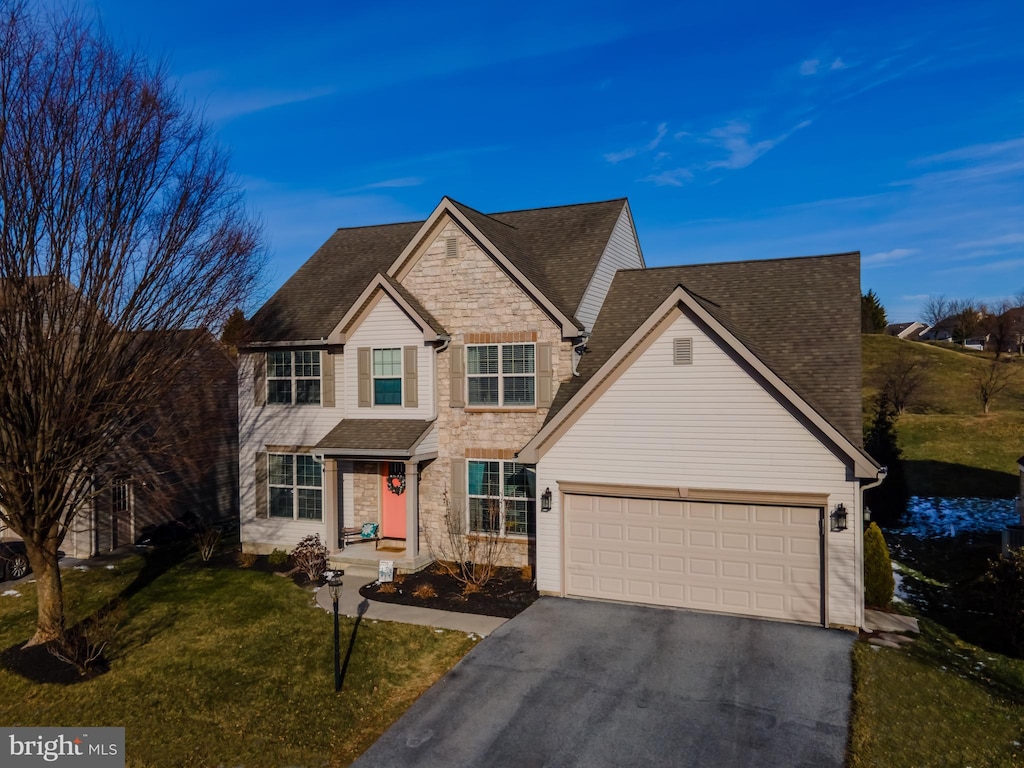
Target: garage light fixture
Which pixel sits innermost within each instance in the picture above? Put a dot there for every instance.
(838, 518)
(545, 500)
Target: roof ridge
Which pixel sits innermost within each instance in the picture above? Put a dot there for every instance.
(742, 261)
(485, 215)
(564, 205)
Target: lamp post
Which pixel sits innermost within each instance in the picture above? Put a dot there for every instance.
(334, 584)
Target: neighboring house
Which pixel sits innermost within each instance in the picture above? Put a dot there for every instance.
(196, 477)
(911, 331)
(667, 436)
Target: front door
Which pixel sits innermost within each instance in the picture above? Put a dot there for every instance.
(393, 500)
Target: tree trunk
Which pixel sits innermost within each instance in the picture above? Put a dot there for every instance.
(50, 619)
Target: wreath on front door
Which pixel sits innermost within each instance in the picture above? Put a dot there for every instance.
(396, 482)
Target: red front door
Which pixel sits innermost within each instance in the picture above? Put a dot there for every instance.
(393, 500)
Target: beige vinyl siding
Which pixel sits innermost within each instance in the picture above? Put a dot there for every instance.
(705, 425)
(387, 326)
(284, 425)
(622, 252)
(430, 442)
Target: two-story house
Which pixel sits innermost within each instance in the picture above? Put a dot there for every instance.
(668, 436)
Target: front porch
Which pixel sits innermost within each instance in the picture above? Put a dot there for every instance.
(364, 555)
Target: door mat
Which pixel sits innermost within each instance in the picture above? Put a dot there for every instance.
(391, 549)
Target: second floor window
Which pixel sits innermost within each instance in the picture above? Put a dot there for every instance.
(501, 374)
(387, 376)
(293, 377)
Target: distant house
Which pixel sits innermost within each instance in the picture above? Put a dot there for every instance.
(667, 436)
(910, 331)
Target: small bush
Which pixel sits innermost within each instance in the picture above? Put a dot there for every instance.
(206, 538)
(83, 645)
(1005, 583)
(387, 588)
(310, 557)
(247, 559)
(879, 583)
(526, 574)
(277, 557)
(424, 592)
(470, 589)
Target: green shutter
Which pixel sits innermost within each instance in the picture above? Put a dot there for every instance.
(545, 376)
(457, 397)
(326, 379)
(412, 382)
(259, 378)
(365, 379)
(262, 507)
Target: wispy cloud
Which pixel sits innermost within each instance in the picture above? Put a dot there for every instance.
(1014, 238)
(884, 258)
(809, 67)
(630, 152)
(222, 102)
(838, 64)
(674, 178)
(973, 152)
(734, 137)
(405, 181)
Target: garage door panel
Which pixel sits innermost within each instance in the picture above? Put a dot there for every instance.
(761, 560)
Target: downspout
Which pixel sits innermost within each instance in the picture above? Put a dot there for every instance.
(883, 472)
(446, 340)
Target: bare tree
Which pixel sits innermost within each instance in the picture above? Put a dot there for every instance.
(119, 226)
(991, 380)
(935, 310)
(902, 377)
(966, 318)
(1000, 321)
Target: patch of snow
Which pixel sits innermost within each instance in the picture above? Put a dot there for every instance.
(11, 593)
(81, 567)
(900, 593)
(875, 647)
(939, 516)
(110, 567)
(439, 631)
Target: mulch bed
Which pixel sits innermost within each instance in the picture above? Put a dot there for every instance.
(39, 665)
(505, 595)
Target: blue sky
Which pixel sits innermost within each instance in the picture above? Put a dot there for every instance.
(736, 131)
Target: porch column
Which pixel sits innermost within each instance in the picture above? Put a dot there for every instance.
(330, 510)
(412, 517)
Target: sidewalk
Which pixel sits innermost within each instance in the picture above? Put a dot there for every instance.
(352, 603)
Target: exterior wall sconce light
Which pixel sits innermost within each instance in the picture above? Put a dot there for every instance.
(838, 518)
(545, 500)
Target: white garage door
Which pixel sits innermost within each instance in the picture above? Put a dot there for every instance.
(734, 558)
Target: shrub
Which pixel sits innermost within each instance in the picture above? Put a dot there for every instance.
(206, 538)
(424, 592)
(247, 559)
(83, 645)
(879, 583)
(469, 557)
(310, 557)
(387, 588)
(277, 557)
(526, 574)
(1005, 584)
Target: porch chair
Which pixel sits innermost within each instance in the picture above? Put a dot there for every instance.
(365, 532)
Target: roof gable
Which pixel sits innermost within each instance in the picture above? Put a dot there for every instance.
(361, 307)
(799, 316)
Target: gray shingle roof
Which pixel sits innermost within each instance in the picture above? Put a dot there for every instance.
(800, 316)
(368, 435)
(557, 249)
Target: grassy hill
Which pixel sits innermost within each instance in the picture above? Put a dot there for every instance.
(951, 447)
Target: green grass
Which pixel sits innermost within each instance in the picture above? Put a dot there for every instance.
(950, 447)
(938, 702)
(223, 666)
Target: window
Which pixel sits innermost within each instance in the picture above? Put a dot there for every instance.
(501, 374)
(501, 497)
(387, 376)
(293, 377)
(296, 486)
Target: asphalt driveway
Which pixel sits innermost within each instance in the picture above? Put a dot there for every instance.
(580, 683)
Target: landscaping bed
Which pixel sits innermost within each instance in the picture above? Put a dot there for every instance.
(509, 592)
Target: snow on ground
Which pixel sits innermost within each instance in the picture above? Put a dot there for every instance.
(938, 516)
(900, 595)
(10, 593)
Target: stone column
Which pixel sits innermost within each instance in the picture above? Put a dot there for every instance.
(330, 491)
(412, 512)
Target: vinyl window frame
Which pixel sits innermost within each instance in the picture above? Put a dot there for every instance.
(505, 373)
(397, 359)
(288, 372)
(500, 485)
(302, 487)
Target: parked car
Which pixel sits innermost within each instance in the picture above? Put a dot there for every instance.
(13, 560)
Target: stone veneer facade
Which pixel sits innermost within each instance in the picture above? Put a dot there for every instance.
(469, 294)
(366, 483)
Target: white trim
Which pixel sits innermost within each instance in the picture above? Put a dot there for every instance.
(381, 283)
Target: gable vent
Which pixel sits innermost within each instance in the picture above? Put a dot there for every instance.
(682, 351)
(451, 247)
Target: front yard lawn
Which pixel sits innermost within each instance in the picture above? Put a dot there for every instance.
(225, 666)
(937, 702)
